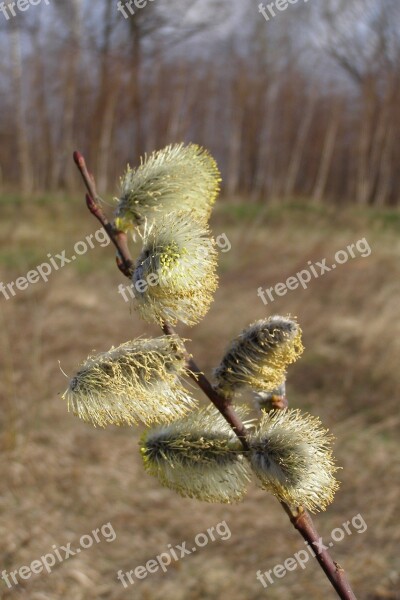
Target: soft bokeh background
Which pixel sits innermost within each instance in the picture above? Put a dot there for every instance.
(302, 115)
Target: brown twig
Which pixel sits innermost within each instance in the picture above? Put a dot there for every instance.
(222, 404)
(119, 238)
(303, 522)
(300, 518)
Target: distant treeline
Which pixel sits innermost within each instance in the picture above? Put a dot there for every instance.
(281, 122)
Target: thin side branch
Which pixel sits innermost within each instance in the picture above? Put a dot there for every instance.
(118, 238)
(300, 518)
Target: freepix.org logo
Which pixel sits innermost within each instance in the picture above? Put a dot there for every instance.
(301, 558)
(268, 12)
(58, 555)
(174, 553)
(141, 285)
(43, 271)
(127, 8)
(11, 9)
(302, 278)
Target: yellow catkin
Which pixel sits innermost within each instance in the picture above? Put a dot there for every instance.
(259, 356)
(178, 269)
(137, 381)
(291, 454)
(177, 178)
(198, 457)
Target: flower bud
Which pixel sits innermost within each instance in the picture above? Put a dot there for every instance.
(270, 400)
(258, 357)
(137, 381)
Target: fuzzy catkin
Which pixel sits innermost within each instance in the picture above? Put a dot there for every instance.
(198, 457)
(137, 381)
(178, 270)
(291, 455)
(259, 356)
(177, 178)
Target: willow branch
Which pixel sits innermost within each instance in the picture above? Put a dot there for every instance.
(118, 238)
(300, 518)
(304, 524)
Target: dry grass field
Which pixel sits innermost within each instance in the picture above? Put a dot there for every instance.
(61, 478)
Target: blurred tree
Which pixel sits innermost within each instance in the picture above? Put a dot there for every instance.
(361, 37)
(304, 105)
(20, 118)
(163, 27)
(71, 13)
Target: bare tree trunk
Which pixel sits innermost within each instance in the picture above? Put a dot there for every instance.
(153, 103)
(263, 181)
(21, 126)
(327, 154)
(295, 162)
(106, 139)
(235, 149)
(382, 147)
(385, 170)
(65, 168)
(178, 104)
(136, 71)
(364, 183)
(107, 100)
(44, 160)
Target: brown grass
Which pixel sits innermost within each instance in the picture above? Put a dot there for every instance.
(61, 478)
